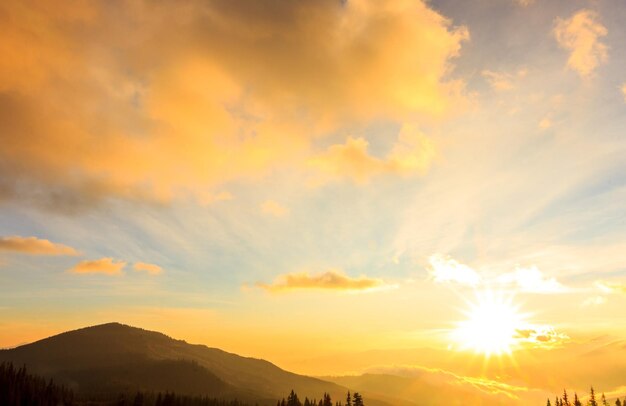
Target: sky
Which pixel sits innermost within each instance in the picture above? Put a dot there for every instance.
(315, 180)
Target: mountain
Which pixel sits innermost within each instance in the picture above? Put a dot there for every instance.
(110, 358)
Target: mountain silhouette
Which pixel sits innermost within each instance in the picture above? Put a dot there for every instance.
(112, 358)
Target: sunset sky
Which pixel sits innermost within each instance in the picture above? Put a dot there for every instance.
(293, 180)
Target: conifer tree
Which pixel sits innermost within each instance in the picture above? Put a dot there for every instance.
(618, 402)
(548, 403)
(592, 398)
(565, 399)
(357, 399)
(348, 400)
(577, 401)
(604, 402)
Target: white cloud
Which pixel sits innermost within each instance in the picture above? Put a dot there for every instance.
(531, 280)
(593, 301)
(445, 269)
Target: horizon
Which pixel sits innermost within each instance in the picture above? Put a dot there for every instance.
(428, 188)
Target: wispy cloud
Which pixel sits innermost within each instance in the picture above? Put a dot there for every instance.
(581, 34)
(34, 246)
(151, 269)
(334, 280)
(105, 266)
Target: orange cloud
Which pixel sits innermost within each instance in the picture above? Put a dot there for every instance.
(106, 266)
(98, 100)
(581, 34)
(624, 91)
(412, 153)
(149, 268)
(329, 280)
(34, 246)
(502, 81)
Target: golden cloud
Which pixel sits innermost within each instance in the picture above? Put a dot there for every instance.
(149, 268)
(412, 153)
(330, 280)
(144, 100)
(106, 266)
(624, 91)
(581, 34)
(34, 246)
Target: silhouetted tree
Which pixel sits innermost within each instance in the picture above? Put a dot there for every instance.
(576, 400)
(357, 399)
(592, 398)
(348, 400)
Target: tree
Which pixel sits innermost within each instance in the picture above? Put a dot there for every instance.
(618, 402)
(357, 399)
(348, 400)
(548, 403)
(565, 399)
(592, 398)
(604, 402)
(292, 399)
(577, 401)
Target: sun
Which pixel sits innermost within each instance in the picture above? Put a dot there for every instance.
(492, 325)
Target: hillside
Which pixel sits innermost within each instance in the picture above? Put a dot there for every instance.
(114, 357)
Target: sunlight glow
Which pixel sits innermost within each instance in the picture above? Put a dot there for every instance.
(492, 325)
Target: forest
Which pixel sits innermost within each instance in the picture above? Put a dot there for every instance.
(593, 400)
(20, 388)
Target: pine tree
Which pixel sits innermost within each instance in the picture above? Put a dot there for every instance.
(357, 399)
(565, 399)
(577, 401)
(548, 403)
(348, 400)
(592, 398)
(618, 402)
(604, 402)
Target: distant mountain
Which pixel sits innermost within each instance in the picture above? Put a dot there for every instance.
(112, 357)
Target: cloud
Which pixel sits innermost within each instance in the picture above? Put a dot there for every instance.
(611, 287)
(545, 123)
(531, 280)
(273, 208)
(445, 269)
(525, 3)
(221, 93)
(330, 280)
(34, 246)
(541, 336)
(593, 301)
(149, 268)
(581, 34)
(502, 81)
(624, 91)
(412, 153)
(106, 266)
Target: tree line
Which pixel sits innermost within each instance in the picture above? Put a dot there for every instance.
(293, 400)
(593, 401)
(18, 388)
